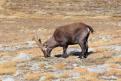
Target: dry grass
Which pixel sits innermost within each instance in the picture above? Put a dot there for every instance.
(1, 3)
(119, 79)
(32, 76)
(49, 76)
(12, 53)
(115, 72)
(35, 52)
(60, 66)
(115, 66)
(114, 60)
(8, 68)
(90, 77)
(42, 65)
(64, 75)
(81, 70)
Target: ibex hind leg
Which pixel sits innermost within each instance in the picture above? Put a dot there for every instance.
(65, 51)
(84, 49)
(84, 46)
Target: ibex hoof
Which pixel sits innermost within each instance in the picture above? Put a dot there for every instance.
(82, 57)
(64, 56)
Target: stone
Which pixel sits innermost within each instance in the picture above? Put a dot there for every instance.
(9, 78)
(109, 78)
(23, 56)
(35, 67)
(43, 78)
(98, 69)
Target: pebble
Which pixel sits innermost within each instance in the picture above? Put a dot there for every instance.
(8, 79)
(109, 78)
(98, 69)
(75, 65)
(23, 56)
(43, 78)
(57, 80)
(35, 67)
(75, 75)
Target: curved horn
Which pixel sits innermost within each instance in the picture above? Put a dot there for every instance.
(38, 41)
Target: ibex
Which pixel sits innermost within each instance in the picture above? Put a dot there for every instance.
(63, 36)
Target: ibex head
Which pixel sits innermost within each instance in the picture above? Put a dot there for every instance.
(47, 46)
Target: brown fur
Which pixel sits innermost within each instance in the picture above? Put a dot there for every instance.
(75, 33)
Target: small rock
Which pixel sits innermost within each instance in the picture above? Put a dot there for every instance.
(8, 79)
(23, 56)
(35, 67)
(113, 47)
(71, 50)
(92, 50)
(56, 80)
(48, 67)
(43, 78)
(117, 55)
(110, 78)
(5, 59)
(75, 75)
(116, 47)
(102, 37)
(98, 69)
(75, 65)
(30, 43)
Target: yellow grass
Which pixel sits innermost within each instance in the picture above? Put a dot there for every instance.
(115, 66)
(42, 65)
(60, 66)
(119, 79)
(8, 68)
(49, 76)
(1, 3)
(116, 72)
(81, 70)
(32, 76)
(64, 75)
(35, 52)
(114, 60)
(89, 77)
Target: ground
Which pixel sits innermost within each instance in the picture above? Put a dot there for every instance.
(22, 60)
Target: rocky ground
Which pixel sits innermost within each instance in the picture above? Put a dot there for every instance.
(22, 60)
